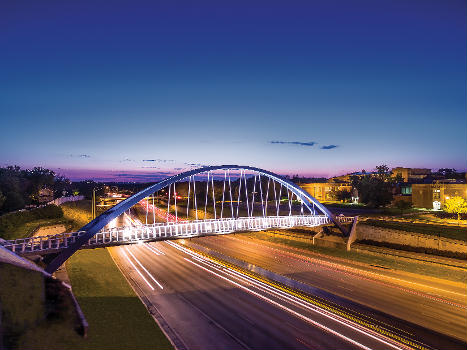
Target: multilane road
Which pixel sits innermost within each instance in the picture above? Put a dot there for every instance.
(439, 307)
(203, 305)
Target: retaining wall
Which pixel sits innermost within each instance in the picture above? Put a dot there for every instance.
(410, 238)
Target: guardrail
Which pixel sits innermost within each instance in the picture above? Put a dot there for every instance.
(160, 231)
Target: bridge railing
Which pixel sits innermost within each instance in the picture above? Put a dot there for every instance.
(131, 234)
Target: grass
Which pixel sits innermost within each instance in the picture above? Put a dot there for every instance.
(452, 232)
(27, 229)
(413, 267)
(117, 318)
(79, 213)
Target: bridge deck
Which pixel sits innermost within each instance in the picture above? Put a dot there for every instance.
(161, 231)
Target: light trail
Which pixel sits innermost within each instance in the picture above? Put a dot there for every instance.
(309, 320)
(149, 274)
(138, 271)
(294, 299)
(358, 273)
(154, 249)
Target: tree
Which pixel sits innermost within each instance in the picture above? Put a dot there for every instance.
(13, 201)
(2, 200)
(455, 205)
(403, 205)
(375, 190)
(343, 195)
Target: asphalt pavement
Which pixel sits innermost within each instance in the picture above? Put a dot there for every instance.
(203, 305)
(441, 307)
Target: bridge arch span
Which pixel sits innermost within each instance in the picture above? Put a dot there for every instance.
(102, 220)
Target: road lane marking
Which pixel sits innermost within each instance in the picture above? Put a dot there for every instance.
(149, 274)
(359, 273)
(380, 331)
(136, 269)
(303, 303)
(309, 320)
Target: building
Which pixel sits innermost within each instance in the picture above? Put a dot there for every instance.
(45, 195)
(325, 191)
(434, 195)
(411, 174)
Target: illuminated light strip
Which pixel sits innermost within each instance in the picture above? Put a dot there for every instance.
(305, 304)
(309, 320)
(349, 315)
(360, 272)
(266, 284)
(318, 303)
(144, 279)
(312, 307)
(153, 251)
(156, 249)
(149, 274)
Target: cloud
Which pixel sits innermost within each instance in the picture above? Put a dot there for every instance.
(150, 167)
(80, 156)
(195, 165)
(309, 144)
(329, 147)
(159, 160)
(127, 160)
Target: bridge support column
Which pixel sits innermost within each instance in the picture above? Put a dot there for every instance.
(353, 233)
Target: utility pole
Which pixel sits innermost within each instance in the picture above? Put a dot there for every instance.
(93, 203)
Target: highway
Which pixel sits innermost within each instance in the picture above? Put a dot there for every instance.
(205, 305)
(442, 308)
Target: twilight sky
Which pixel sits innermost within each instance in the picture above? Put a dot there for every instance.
(127, 89)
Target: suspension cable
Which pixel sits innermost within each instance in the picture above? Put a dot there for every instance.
(195, 203)
(188, 200)
(230, 190)
(261, 193)
(246, 194)
(279, 201)
(153, 210)
(239, 189)
(223, 194)
(301, 206)
(147, 209)
(175, 199)
(267, 197)
(168, 205)
(290, 203)
(253, 197)
(213, 196)
(206, 201)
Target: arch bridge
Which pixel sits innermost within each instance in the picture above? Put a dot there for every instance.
(209, 200)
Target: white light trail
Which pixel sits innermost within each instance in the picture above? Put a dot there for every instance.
(149, 274)
(154, 249)
(284, 295)
(138, 271)
(284, 307)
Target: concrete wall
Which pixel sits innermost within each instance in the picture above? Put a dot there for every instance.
(49, 230)
(410, 238)
(62, 200)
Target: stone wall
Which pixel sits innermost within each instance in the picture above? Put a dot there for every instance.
(379, 234)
